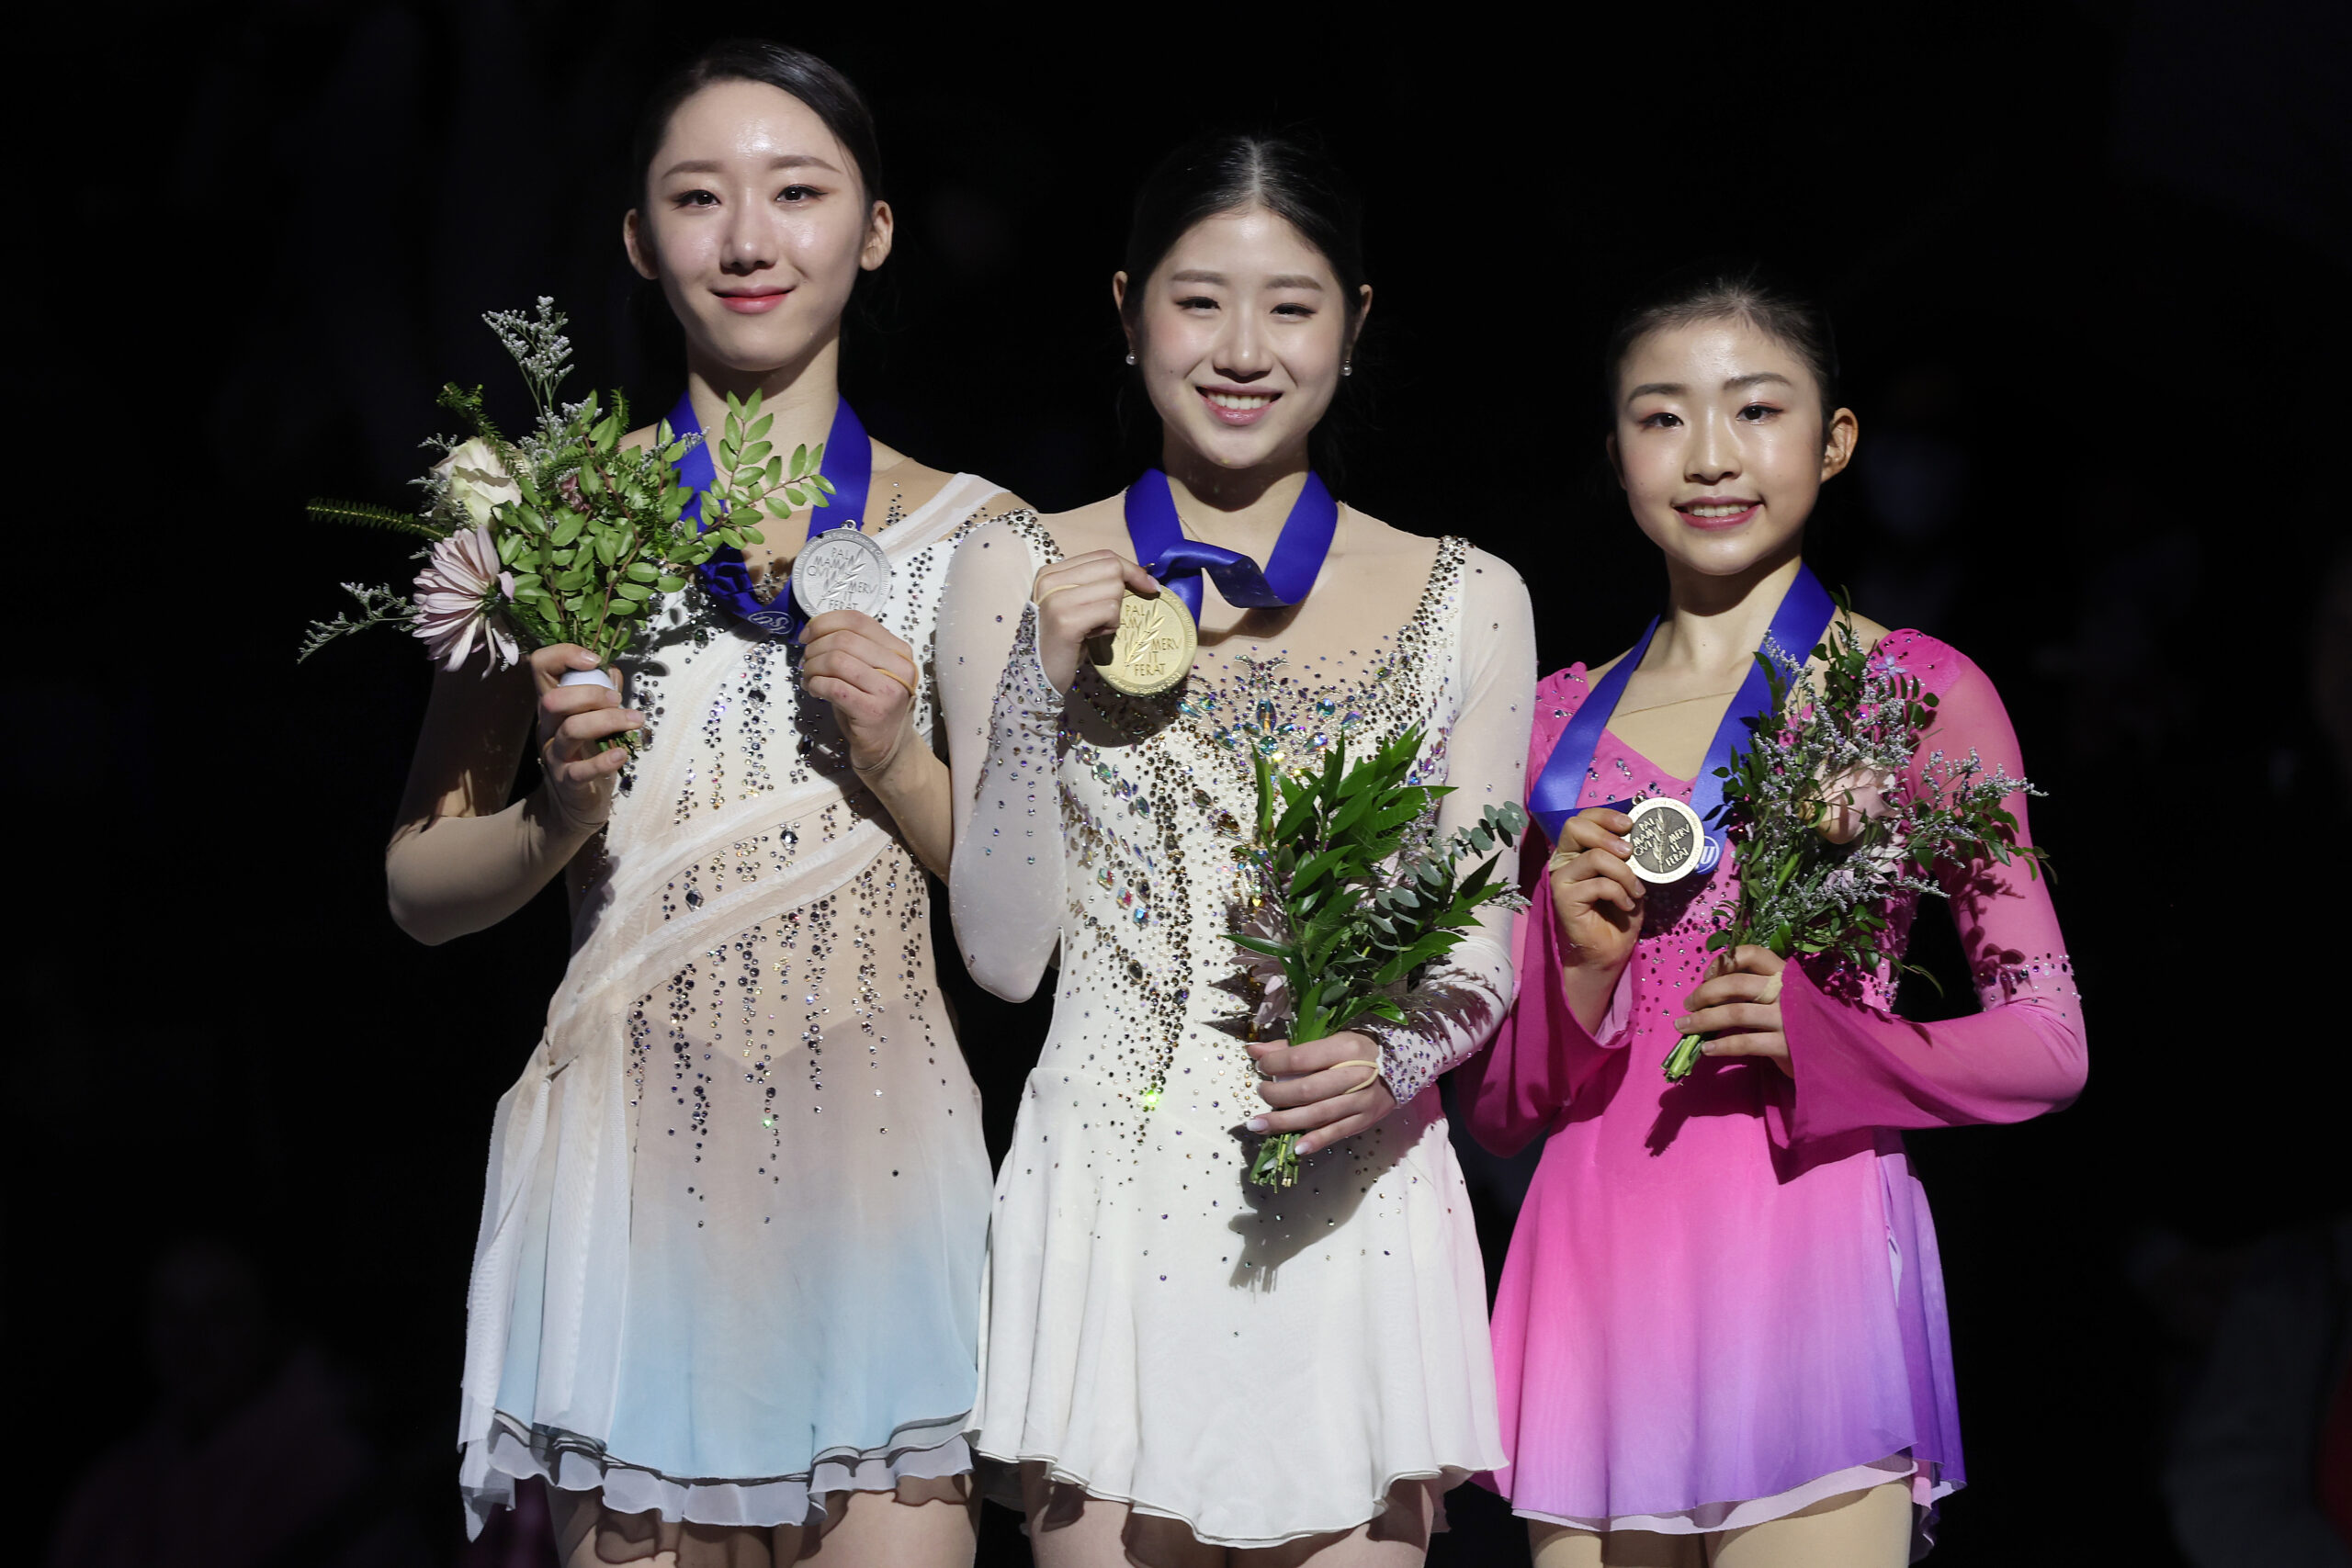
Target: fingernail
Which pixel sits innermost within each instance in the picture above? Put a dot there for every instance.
(1621, 849)
(1256, 1124)
(1682, 1025)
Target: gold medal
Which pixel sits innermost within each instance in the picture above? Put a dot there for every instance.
(1152, 650)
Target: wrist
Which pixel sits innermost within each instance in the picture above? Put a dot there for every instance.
(883, 771)
(1057, 664)
(1407, 1063)
(1589, 988)
(560, 820)
(1028, 675)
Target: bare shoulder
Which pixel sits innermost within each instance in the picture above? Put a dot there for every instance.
(1098, 525)
(642, 436)
(899, 482)
(1367, 541)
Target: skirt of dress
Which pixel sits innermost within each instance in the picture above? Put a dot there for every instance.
(805, 1228)
(1262, 1365)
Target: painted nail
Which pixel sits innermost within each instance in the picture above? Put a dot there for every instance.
(1256, 1124)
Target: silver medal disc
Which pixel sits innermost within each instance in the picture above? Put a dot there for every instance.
(1667, 840)
(840, 569)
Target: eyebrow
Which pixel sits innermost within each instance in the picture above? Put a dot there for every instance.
(1736, 384)
(783, 160)
(1282, 280)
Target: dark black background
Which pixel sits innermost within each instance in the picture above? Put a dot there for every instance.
(2089, 264)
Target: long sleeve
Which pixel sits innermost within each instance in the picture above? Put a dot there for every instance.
(1005, 888)
(2024, 1054)
(1514, 1091)
(1461, 998)
(450, 876)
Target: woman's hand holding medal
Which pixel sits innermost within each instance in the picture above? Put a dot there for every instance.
(869, 675)
(1079, 598)
(1596, 904)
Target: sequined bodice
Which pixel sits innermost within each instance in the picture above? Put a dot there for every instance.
(769, 922)
(1155, 796)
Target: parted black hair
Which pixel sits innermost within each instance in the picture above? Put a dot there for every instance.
(1223, 172)
(825, 90)
(1715, 293)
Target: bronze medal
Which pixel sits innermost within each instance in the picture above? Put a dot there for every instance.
(1667, 838)
(1152, 650)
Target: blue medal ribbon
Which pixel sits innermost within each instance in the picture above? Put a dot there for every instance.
(1798, 627)
(1180, 563)
(848, 467)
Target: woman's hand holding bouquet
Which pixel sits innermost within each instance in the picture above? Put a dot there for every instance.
(564, 538)
(1833, 813)
(1359, 896)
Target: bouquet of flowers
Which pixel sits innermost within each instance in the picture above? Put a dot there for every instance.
(562, 534)
(1358, 894)
(1826, 825)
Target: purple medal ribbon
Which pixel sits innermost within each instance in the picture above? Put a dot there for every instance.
(1798, 627)
(1180, 563)
(848, 467)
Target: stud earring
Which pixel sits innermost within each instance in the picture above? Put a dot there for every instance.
(1131, 357)
(1347, 367)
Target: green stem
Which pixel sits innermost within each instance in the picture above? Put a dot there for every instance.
(1686, 1053)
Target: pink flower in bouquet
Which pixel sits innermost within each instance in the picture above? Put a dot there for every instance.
(1853, 801)
(1273, 1010)
(458, 593)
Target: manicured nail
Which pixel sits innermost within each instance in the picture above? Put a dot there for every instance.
(1256, 1124)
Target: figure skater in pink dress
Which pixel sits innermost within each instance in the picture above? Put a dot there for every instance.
(1720, 1338)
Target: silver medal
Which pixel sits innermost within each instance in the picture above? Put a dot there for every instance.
(840, 569)
(1669, 840)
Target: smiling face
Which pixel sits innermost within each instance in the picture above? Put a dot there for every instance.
(1240, 334)
(1721, 443)
(756, 225)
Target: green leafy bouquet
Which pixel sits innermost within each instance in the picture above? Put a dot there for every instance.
(1360, 894)
(562, 534)
(1827, 826)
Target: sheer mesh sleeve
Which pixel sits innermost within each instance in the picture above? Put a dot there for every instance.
(1003, 718)
(2024, 1054)
(1461, 998)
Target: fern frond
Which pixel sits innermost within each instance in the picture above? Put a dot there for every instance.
(468, 405)
(363, 514)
